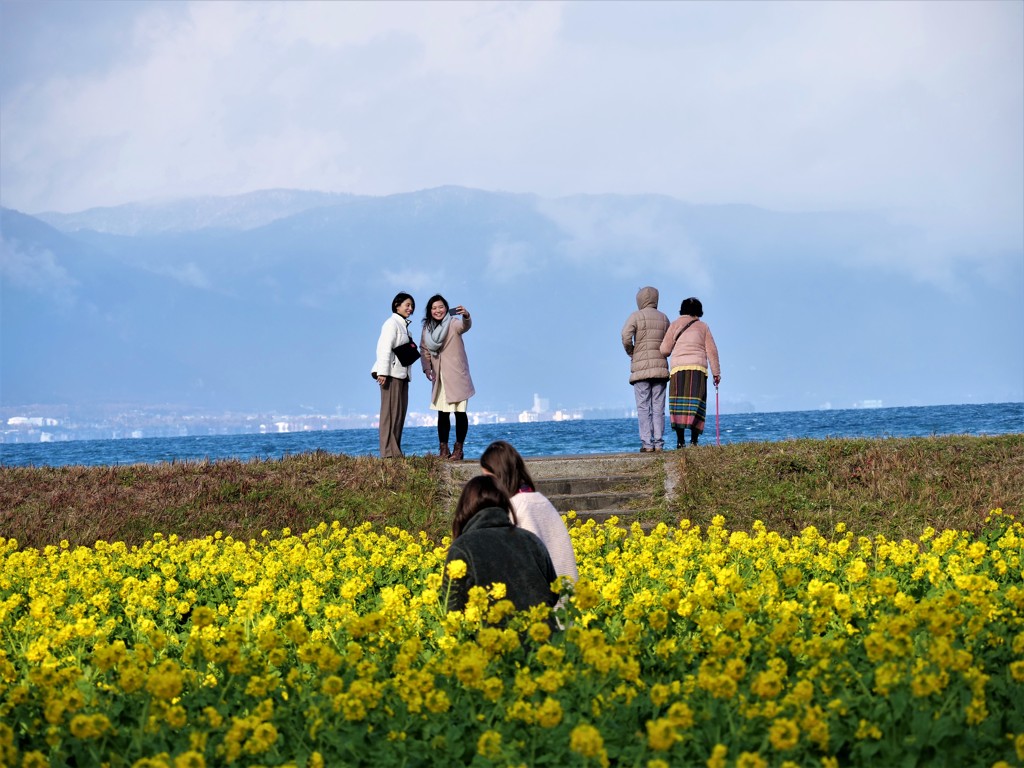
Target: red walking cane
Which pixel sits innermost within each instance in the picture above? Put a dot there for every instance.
(718, 438)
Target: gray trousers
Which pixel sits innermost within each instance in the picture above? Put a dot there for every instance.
(650, 411)
(394, 402)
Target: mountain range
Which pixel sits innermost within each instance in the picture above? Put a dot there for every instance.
(274, 300)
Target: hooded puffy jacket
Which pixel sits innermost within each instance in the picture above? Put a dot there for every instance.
(642, 335)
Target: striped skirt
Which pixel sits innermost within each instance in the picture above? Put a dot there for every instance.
(688, 399)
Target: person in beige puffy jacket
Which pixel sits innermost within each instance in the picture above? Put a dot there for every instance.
(648, 370)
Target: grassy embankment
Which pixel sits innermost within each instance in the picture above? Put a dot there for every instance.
(894, 487)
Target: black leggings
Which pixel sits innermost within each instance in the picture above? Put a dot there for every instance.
(444, 426)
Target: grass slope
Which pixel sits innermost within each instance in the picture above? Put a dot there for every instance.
(894, 487)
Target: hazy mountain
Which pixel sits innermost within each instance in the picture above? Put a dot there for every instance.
(275, 300)
(246, 211)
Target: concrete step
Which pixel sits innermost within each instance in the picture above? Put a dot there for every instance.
(588, 501)
(604, 465)
(610, 495)
(596, 487)
(564, 486)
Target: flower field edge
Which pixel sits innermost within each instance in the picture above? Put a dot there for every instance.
(680, 646)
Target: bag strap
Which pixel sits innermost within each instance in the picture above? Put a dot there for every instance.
(687, 326)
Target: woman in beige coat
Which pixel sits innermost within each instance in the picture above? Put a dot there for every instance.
(444, 360)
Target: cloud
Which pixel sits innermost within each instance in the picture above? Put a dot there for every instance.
(37, 271)
(238, 96)
(508, 261)
(915, 107)
(411, 280)
(188, 274)
(629, 242)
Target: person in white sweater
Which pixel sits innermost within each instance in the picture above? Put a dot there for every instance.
(533, 510)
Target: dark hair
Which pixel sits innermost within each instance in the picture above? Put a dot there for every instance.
(429, 322)
(691, 306)
(479, 493)
(399, 298)
(507, 466)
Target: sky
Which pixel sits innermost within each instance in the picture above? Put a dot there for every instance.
(916, 107)
(911, 108)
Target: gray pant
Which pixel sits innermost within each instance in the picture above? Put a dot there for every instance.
(394, 402)
(650, 411)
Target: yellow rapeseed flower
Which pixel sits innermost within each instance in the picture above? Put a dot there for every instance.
(783, 734)
(549, 713)
(190, 759)
(586, 740)
(661, 734)
(456, 569)
(718, 757)
(751, 760)
(489, 745)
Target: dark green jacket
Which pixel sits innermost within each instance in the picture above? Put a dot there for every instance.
(497, 552)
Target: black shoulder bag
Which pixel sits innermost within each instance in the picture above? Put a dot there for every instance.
(407, 353)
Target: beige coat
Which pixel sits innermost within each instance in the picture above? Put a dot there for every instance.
(451, 362)
(641, 338)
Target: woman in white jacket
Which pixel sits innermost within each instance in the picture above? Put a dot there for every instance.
(392, 376)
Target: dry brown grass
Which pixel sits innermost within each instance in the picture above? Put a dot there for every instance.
(894, 486)
(40, 506)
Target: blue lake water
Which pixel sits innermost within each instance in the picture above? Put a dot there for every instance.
(540, 439)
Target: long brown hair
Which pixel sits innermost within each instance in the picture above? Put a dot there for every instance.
(479, 493)
(504, 462)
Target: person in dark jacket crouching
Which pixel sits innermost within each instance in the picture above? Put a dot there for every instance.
(495, 551)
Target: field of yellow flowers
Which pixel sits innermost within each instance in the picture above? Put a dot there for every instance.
(681, 647)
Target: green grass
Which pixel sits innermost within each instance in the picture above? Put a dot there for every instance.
(894, 487)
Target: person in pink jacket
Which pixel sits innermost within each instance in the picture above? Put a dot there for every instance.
(693, 350)
(533, 510)
(443, 355)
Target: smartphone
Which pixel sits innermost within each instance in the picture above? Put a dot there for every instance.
(453, 312)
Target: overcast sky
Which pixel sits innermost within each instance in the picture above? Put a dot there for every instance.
(911, 109)
(912, 106)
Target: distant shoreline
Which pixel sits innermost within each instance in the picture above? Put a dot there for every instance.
(586, 436)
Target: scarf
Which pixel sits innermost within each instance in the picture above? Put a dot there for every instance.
(436, 335)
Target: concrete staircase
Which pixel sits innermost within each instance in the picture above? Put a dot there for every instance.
(597, 487)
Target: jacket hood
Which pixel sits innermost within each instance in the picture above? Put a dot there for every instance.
(489, 517)
(647, 297)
